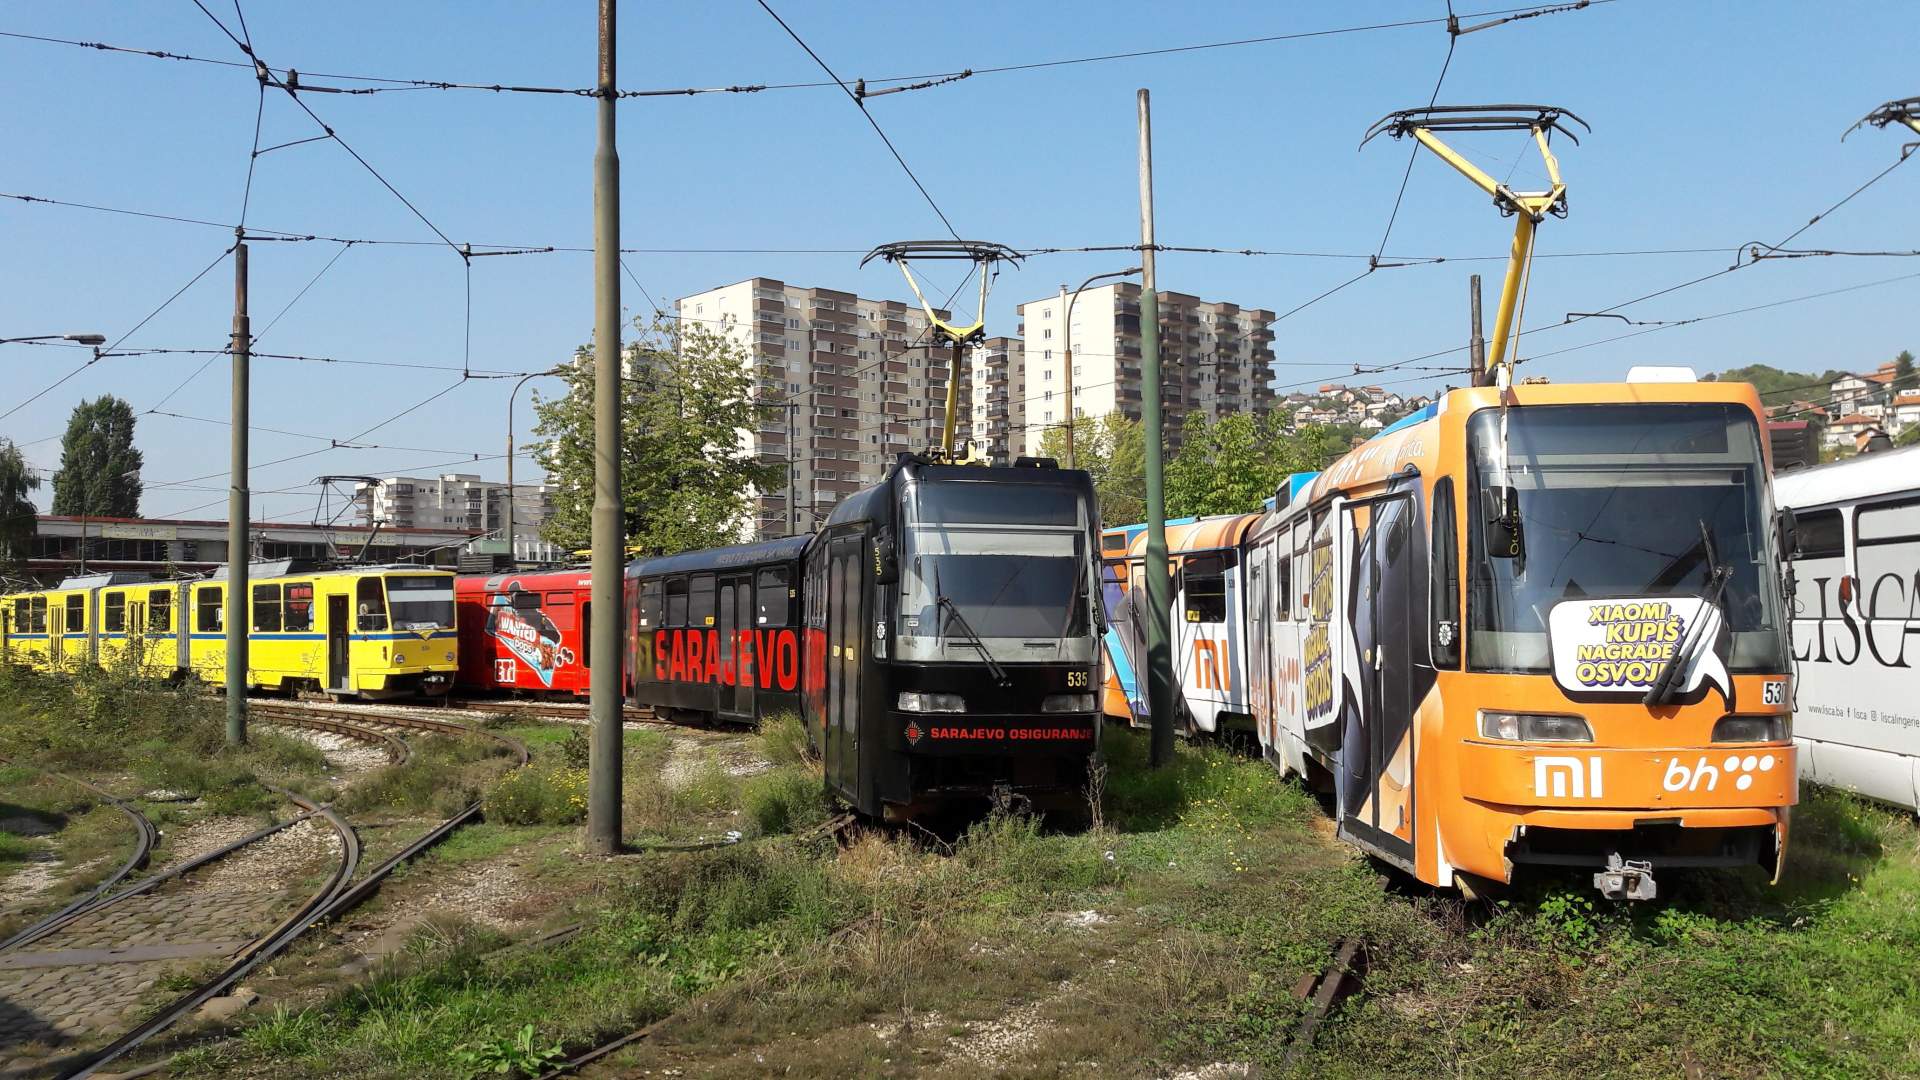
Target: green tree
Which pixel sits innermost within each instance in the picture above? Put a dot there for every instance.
(1779, 387)
(99, 474)
(17, 513)
(1234, 464)
(1908, 437)
(1114, 450)
(686, 476)
(1903, 372)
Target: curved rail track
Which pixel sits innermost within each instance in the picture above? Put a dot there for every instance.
(340, 890)
(145, 836)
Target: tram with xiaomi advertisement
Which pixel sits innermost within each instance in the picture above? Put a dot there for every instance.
(952, 630)
(1537, 625)
(712, 635)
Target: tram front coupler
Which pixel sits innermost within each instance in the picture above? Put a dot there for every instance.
(1625, 879)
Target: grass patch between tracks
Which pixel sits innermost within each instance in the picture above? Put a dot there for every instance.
(1167, 939)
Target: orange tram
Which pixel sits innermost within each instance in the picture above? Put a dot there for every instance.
(1534, 625)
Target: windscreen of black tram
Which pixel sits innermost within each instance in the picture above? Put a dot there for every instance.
(1010, 562)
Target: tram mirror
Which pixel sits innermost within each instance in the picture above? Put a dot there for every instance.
(1502, 506)
(886, 559)
(1788, 525)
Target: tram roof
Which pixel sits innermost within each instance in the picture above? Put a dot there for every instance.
(1199, 534)
(721, 558)
(1857, 478)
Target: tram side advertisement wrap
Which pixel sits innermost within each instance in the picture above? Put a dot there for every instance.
(769, 658)
(1619, 646)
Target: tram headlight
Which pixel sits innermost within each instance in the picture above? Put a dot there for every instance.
(1534, 727)
(1066, 703)
(1730, 729)
(922, 702)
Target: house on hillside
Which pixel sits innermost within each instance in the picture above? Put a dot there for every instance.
(1904, 412)
(1842, 432)
(1864, 394)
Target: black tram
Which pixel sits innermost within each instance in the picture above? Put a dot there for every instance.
(713, 634)
(952, 637)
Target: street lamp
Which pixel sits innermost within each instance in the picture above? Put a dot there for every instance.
(95, 340)
(513, 558)
(1067, 332)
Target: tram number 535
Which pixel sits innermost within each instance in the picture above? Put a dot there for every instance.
(1078, 679)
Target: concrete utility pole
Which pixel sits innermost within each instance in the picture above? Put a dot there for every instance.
(1477, 344)
(1159, 591)
(609, 537)
(238, 550)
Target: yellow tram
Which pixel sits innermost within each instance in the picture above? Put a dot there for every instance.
(368, 632)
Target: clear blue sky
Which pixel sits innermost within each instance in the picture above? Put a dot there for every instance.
(1714, 124)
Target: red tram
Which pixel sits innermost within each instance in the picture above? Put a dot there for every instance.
(525, 632)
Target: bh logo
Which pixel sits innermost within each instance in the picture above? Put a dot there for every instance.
(1564, 777)
(1705, 775)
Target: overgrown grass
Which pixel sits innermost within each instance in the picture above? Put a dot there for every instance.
(442, 776)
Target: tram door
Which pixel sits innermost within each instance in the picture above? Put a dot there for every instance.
(846, 622)
(735, 614)
(56, 635)
(137, 632)
(1376, 751)
(339, 621)
(1259, 667)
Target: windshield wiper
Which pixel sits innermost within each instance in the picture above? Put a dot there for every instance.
(1669, 677)
(973, 640)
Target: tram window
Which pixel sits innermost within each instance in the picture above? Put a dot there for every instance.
(299, 611)
(38, 612)
(371, 602)
(114, 614)
(1445, 570)
(1887, 539)
(1283, 589)
(650, 603)
(700, 601)
(586, 635)
(206, 610)
(676, 601)
(525, 601)
(266, 609)
(1818, 535)
(76, 613)
(559, 609)
(1206, 589)
(772, 595)
(160, 611)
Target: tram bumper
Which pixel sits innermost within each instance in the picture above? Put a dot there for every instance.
(1624, 813)
(959, 755)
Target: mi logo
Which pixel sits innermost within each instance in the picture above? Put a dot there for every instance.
(1566, 777)
(1210, 671)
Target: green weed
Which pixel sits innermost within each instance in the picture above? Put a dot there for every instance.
(538, 795)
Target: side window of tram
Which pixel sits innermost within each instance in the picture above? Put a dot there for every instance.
(266, 608)
(206, 610)
(299, 609)
(37, 615)
(773, 596)
(113, 615)
(559, 608)
(1206, 589)
(700, 600)
(1445, 568)
(676, 601)
(160, 611)
(76, 613)
(1887, 542)
(1283, 588)
(1817, 535)
(370, 601)
(650, 603)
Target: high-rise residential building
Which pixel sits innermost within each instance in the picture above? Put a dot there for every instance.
(452, 500)
(1215, 360)
(845, 383)
(994, 388)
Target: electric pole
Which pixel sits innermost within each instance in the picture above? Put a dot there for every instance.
(238, 550)
(1066, 341)
(609, 539)
(1477, 344)
(1159, 593)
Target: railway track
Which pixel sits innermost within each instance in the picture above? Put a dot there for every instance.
(342, 888)
(145, 836)
(549, 710)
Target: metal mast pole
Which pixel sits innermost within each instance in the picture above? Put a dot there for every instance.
(1159, 593)
(512, 562)
(609, 541)
(1477, 344)
(1066, 331)
(238, 552)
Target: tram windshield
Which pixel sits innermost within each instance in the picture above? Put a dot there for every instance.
(420, 603)
(1006, 563)
(1619, 501)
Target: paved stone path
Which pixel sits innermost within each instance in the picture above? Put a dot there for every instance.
(82, 986)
